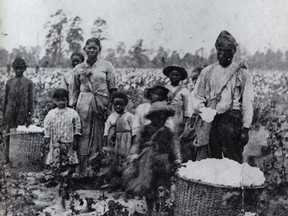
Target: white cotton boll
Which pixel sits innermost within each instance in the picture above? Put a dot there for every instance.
(31, 128)
(222, 172)
(207, 114)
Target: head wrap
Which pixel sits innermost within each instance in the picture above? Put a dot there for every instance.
(226, 41)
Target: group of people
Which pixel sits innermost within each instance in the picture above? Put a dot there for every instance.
(91, 116)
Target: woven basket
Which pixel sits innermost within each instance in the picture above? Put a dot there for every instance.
(25, 150)
(196, 198)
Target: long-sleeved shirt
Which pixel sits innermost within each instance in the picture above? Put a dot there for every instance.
(62, 125)
(163, 139)
(238, 94)
(18, 101)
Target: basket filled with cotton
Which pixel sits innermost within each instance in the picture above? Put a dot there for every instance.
(217, 187)
(26, 147)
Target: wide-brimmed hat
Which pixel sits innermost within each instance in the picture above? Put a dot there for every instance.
(160, 106)
(180, 69)
(225, 41)
(161, 90)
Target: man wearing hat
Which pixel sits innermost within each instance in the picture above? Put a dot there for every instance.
(178, 97)
(153, 94)
(226, 87)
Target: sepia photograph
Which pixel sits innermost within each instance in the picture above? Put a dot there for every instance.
(143, 108)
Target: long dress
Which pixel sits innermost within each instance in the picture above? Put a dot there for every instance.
(123, 131)
(61, 125)
(17, 105)
(91, 86)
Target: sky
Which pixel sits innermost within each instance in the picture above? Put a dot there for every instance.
(182, 25)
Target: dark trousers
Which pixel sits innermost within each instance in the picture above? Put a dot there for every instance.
(225, 136)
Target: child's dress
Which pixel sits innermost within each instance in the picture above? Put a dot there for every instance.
(124, 130)
(60, 126)
(179, 99)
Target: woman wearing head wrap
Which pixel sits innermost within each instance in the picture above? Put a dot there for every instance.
(18, 100)
(93, 85)
(226, 87)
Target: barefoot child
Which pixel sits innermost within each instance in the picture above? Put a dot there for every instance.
(118, 136)
(157, 149)
(178, 97)
(62, 129)
(18, 101)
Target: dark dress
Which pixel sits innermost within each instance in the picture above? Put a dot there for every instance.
(17, 104)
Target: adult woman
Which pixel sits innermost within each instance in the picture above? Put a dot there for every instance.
(94, 83)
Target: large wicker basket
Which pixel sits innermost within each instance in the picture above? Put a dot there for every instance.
(25, 150)
(195, 198)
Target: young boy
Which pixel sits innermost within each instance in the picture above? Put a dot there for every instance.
(178, 97)
(18, 101)
(157, 149)
(153, 94)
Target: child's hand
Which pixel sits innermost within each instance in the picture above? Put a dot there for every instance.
(132, 157)
(177, 164)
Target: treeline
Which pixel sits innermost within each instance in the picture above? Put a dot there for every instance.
(65, 36)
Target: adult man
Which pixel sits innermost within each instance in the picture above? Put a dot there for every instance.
(226, 87)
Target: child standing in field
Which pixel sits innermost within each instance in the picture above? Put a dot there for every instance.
(178, 97)
(62, 130)
(119, 127)
(18, 101)
(157, 149)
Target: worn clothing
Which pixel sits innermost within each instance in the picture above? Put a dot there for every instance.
(124, 130)
(61, 125)
(140, 121)
(225, 136)
(182, 106)
(91, 87)
(159, 148)
(18, 101)
(237, 95)
(17, 106)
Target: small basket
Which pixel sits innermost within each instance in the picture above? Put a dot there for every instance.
(25, 150)
(195, 198)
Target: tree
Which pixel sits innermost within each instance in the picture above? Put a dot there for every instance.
(138, 58)
(121, 55)
(55, 37)
(99, 29)
(4, 55)
(111, 56)
(160, 60)
(174, 58)
(75, 35)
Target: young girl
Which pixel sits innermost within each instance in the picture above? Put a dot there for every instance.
(62, 129)
(157, 149)
(18, 101)
(178, 97)
(119, 129)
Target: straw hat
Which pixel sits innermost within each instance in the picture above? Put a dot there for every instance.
(180, 69)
